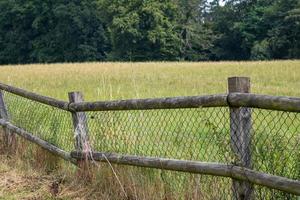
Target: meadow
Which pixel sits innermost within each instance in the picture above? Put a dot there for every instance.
(106, 81)
(196, 134)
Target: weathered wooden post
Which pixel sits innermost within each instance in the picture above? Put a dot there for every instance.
(81, 135)
(9, 139)
(240, 135)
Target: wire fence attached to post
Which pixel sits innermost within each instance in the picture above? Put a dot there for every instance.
(237, 145)
(240, 134)
(9, 139)
(81, 136)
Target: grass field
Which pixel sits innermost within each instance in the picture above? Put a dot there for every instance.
(104, 81)
(196, 134)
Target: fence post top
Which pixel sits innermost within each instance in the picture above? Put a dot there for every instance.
(239, 84)
(238, 78)
(74, 92)
(75, 96)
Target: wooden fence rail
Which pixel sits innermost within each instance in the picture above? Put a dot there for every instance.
(42, 143)
(280, 103)
(238, 100)
(150, 104)
(234, 99)
(35, 97)
(215, 169)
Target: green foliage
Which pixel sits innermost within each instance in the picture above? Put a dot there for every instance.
(47, 31)
(197, 37)
(15, 33)
(139, 30)
(73, 32)
(261, 51)
(247, 26)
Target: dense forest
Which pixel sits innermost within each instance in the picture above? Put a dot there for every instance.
(47, 31)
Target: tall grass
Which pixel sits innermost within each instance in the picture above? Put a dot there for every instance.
(197, 134)
(105, 81)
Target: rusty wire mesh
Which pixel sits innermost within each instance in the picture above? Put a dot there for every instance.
(201, 134)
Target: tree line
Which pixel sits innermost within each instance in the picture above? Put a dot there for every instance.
(47, 31)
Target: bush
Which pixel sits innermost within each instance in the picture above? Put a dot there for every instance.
(261, 51)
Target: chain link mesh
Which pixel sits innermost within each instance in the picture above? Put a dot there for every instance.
(201, 134)
(189, 134)
(275, 148)
(48, 123)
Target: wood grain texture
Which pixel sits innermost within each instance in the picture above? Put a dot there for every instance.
(280, 103)
(157, 103)
(3, 109)
(206, 168)
(9, 139)
(240, 137)
(35, 97)
(234, 99)
(79, 122)
(82, 143)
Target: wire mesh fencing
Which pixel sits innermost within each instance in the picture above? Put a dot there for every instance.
(46, 122)
(275, 148)
(195, 134)
(203, 135)
(188, 134)
(185, 134)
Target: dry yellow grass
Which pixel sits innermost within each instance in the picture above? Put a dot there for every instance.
(104, 81)
(21, 181)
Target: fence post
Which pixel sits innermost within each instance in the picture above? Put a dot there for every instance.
(81, 135)
(240, 136)
(9, 139)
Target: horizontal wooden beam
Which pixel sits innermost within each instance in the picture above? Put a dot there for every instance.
(158, 103)
(45, 145)
(281, 103)
(215, 169)
(35, 97)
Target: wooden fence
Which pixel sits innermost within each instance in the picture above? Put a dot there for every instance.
(239, 100)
